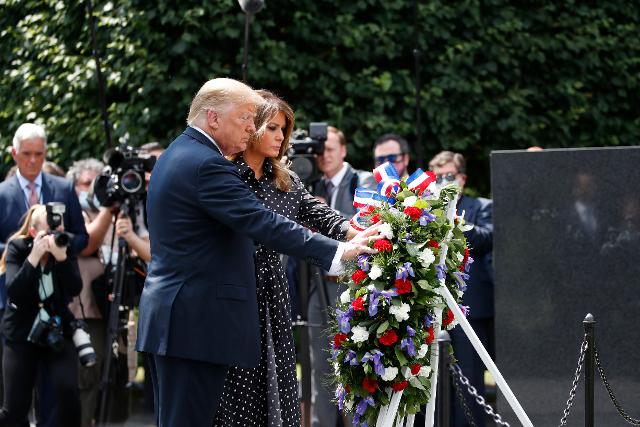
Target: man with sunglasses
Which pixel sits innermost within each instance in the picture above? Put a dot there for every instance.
(394, 149)
(450, 167)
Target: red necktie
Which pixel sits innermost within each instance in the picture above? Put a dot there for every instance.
(34, 198)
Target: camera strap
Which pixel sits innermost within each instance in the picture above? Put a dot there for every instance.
(45, 290)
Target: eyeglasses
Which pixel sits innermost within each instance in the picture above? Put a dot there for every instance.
(449, 177)
(391, 158)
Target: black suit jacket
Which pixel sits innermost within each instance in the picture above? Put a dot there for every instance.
(199, 299)
(23, 281)
(13, 207)
(479, 294)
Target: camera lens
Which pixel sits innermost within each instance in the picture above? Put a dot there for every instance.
(61, 239)
(132, 182)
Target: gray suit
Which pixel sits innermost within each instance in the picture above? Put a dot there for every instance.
(324, 412)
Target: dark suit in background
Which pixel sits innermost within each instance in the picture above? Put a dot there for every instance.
(324, 411)
(198, 310)
(479, 297)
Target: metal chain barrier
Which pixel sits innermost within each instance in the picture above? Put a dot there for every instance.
(576, 380)
(621, 411)
(457, 384)
(459, 376)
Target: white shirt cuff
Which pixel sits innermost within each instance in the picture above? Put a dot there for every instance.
(336, 265)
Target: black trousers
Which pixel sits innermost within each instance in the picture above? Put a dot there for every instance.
(20, 364)
(186, 392)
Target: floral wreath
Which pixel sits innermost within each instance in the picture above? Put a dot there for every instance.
(385, 322)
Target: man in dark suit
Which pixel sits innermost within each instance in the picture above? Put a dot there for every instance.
(451, 167)
(29, 186)
(335, 188)
(198, 310)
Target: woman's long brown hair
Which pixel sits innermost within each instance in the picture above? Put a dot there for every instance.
(266, 111)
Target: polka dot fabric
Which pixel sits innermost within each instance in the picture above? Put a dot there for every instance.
(268, 394)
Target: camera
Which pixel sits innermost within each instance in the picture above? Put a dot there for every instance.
(82, 341)
(123, 177)
(55, 215)
(304, 148)
(47, 332)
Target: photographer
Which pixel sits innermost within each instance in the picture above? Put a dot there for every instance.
(41, 277)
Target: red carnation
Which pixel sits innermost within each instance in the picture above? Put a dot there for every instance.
(358, 304)
(369, 384)
(338, 339)
(383, 245)
(389, 337)
(466, 256)
(375, 219)
(461, 267)
(431, 337)
(415, 368)
(433, 244)
(359, 276)
(403, 286)
(447, 321)
(413, 212)
(400, 386)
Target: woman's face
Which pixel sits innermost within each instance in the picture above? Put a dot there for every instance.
(271, 140)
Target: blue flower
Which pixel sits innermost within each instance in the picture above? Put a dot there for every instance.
(441, 271)
(410, 331)
(343, 318)
(351, 358)
(374, 356)
(407, 344)
(405, 271)
(363, 262)
(462, 278)
(428, 320)
(426, 218)
(465, 309)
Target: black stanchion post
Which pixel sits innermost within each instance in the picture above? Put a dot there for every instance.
(589, 370)
(442, 392)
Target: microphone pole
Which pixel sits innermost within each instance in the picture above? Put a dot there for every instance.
(249, 7)
(101, 83)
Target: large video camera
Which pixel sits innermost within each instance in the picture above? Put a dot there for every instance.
(55, 215)
(304, 148)
(124, 175)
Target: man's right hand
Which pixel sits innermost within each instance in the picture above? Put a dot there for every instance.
(360, 243)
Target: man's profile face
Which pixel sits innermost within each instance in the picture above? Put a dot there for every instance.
(30, 157)
(331, 160)
(391, 149)
(234, 127)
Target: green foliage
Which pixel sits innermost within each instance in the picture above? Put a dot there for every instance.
(495, 75)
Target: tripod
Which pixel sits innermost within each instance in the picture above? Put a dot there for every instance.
(121, 303)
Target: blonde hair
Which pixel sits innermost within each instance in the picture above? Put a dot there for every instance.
(446, 157)
(266, 111)
(220, 95)
(32, 218)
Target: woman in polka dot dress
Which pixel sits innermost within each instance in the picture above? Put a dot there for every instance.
(268, 394)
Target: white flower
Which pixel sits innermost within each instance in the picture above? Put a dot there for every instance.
(336, 368)
(459, 256)
(348, 404)
(345, 297)
(375, 272)
(389, 373)
(360, 334)
(409, 201)
(406, 372)
(426, 257)
(400, 311)
(424, 371)
(386, 230)
(422, 352)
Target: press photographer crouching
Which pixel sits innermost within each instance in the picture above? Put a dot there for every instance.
(38, 328)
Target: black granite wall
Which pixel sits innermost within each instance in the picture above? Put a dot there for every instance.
(567, 242)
